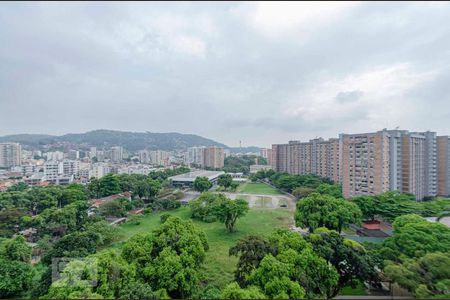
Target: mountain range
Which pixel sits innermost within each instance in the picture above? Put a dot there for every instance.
(130, 140)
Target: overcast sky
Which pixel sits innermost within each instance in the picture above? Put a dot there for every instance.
(261, 73)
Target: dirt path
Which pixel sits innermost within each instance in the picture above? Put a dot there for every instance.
(264, 201)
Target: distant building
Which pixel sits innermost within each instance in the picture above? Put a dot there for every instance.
(144, 157)
(214, 157)
(53, 169)
(267, 154)
(372, 163)
(443, 166)
(55, 156)
(195, 155)
(187, 179)
(116, 154)
(10, 155)
(92, 152)
(159, 158)
(99, 170)
(71, 167)
(365, 163)
(73, 154)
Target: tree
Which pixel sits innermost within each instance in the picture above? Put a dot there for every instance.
(75, 282)
(273, 277)
(10, 221)
(141, 290)
(426, 277)
(113, 273)
(17, 249)
(318, 210)
(202, 208)
(170, 257)
(368, 206)
(94, 188)
(301, 192)
(72, 193)
(312, 272)
(76, 244)
(19, 187)
(348, 257)
(234, 291)
(109, 185)
(15, 278)
(228, 211)
(414, 236)
(225, 180)
(115, 208)
(250, 250)
(334, 190)
(107, 232)
(202, 184)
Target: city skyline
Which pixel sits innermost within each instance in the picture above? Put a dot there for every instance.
(260, 73)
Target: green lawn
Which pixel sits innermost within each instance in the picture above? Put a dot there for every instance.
(359, 290)
(258, 188)
(218, 267)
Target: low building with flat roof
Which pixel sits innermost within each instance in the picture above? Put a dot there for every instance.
(187, 179)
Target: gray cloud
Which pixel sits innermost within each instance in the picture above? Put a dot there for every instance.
(348, 97)
(215, 69)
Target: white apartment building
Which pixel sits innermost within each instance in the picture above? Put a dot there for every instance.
(144, 156)
(55, 156)
(99, 170)
(10, 155)
(116, 154)
(53, 169)
(159, 158)
(71, 167)
(195, 155)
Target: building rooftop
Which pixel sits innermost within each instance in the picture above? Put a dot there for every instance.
(200, 173)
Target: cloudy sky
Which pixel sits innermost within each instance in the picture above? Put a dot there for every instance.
(261, 73)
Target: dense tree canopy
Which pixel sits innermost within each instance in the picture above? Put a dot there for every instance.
(202, 184)
(225, 180)
(318, 210)
(425, 277)
(169, 258)
(414, 237)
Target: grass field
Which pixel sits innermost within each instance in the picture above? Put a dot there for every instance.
(359, 290)
(218, 267)
(258, 188)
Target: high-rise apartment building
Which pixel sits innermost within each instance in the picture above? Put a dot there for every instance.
(267, 154)
(71, 167)
(116, 154)
(144, 157)
(317, 156)
(213, 157)
(92, 152)
(159, 158)
(365, 163)
(195, 155)
(413, 162)
(73, 154)
(53, 169)
(371, 163)
(10, 155)
(443, 166)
